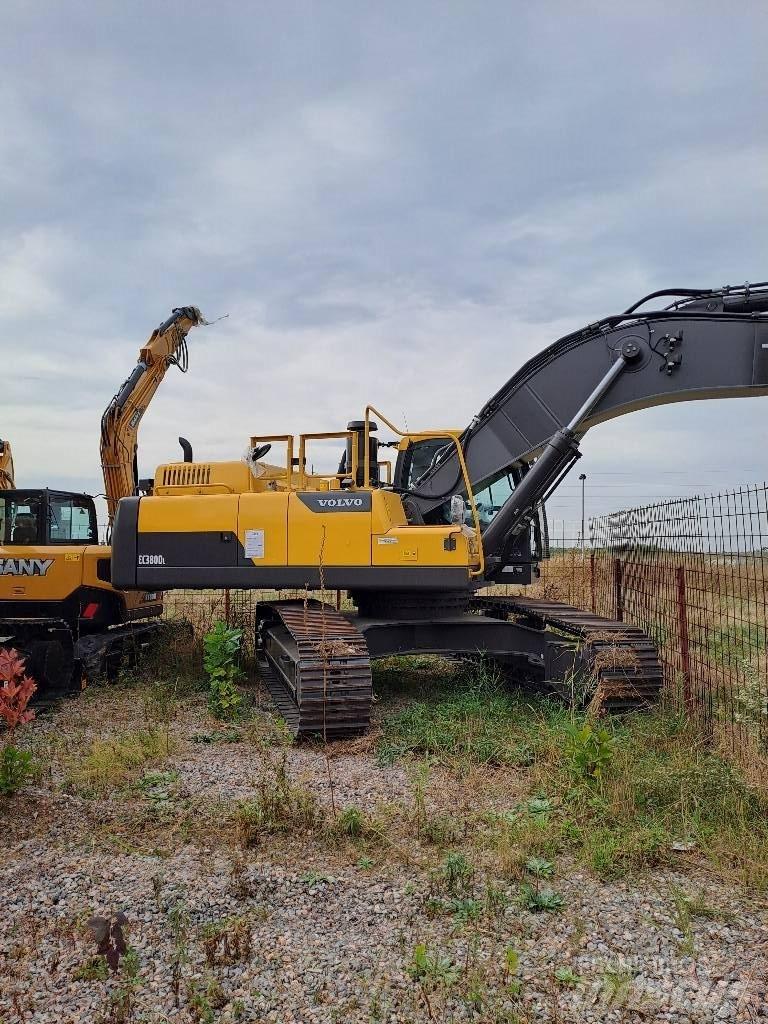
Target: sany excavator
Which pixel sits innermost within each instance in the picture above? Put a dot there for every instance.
(6, 466)
(419, 551)
(58, 606)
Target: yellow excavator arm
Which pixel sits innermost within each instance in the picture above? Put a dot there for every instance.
(6, 467)
(120, 423)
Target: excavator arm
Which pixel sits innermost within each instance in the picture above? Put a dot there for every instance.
(166, 347)
(6, 466)
(706, 344)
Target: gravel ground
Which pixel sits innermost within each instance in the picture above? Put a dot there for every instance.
(331, 933)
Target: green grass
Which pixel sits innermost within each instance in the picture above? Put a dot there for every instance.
(465, 719)
(658, 785)
(736, 640)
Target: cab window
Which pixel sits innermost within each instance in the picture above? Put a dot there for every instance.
(70, 520)
(19, 519)
(490, 499)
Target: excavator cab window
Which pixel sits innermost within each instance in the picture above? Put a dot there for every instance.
(47, 517)
(420, 457)
(490, 499)
(20, 517)
(71, 519)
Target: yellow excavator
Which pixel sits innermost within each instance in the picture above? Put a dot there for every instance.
(6, 466)
(422, 546)
(58, 606)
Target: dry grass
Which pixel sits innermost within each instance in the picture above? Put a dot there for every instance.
(335, 648)
(609, 649)
(116, 761)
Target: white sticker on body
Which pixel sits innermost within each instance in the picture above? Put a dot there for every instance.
(387, 540)
(254, 543)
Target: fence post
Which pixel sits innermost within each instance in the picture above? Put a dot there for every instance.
(685, 652)
(226, 607)
(592, 595)
(618, 596)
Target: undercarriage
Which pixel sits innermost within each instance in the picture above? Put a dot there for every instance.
(316, 661)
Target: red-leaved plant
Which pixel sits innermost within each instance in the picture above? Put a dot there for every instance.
(16, 689)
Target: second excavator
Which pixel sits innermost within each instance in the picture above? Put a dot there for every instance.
(422, 546)
(58, 605)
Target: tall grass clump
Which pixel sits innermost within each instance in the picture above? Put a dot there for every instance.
(116, 761)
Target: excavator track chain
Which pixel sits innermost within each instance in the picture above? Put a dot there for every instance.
(61, 665)
(316, 667)
(618, 662)
(47, 647)
(102, 654)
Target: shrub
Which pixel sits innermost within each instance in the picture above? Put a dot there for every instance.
(16, 767)
(222, 649)
(16, 689)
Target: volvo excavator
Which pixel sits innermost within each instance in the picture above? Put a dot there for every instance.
(58, 605)
(6, 466)
(422, 549)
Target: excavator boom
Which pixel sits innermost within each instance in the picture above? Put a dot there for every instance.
(58, 604)
(119, 424)
(707, 345)
(6, 467)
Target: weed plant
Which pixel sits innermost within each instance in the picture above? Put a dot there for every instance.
(280, 806)
(222, 651)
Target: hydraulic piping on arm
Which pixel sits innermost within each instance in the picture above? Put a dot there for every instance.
(559, 455)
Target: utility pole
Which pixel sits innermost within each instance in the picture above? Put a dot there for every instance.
(583, 478)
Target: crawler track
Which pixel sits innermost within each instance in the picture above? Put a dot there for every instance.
(316, 667)
(619, 662)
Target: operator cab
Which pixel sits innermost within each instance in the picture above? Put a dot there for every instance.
(43, 516)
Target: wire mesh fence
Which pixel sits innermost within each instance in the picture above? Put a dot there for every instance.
(693, 573)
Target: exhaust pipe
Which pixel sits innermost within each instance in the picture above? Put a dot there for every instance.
(186, 447)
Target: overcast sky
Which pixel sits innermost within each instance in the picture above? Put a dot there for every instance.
(393, 202)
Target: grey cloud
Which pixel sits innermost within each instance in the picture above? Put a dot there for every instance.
(397, 203)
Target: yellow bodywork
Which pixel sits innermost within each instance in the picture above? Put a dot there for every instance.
(216, 498)
(61, 570)
(55, 572)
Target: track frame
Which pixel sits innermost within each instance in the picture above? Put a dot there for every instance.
(316, 661)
